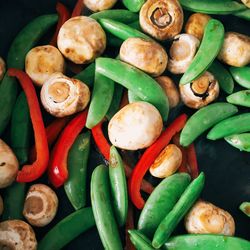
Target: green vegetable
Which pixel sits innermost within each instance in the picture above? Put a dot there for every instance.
(133, 5)
(245, 208)
(135, 25)
(87, 75)
(132, 97)
(113, 41)
(244, 14)
(240, 141)
(241, 98)
(241, 75)
(140, 241)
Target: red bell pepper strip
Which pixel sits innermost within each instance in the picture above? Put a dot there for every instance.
(32, 172)
(78, 8)
(58, 172)
(149, 157)
(64, 15)
(192, 161)
(129, 225)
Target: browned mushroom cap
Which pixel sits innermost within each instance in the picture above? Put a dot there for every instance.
(2, 68)
(97, 5)
(235, 50)
(146, 55)
(162, 19)
(40, 205)
(196, 24)
(1, 205)
(17, 235)
(170, 90)
(246, 2)
(8, 165)
(200, 92)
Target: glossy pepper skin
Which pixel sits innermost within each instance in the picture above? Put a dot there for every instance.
(240, 141)
(77, 8)
(241, 75)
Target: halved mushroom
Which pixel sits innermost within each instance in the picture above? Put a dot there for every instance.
(196, 24)
(18, 235)
(206, 218)
(2, 68)
(246, 2)
(63, 96)
(182, 52)
(8, 165)
(40, 205)
(42, 61)
(162, 19)
(235, 50)
(97, 5)
(146, 55)
(81, 39)
(200, 92)
(1, 205)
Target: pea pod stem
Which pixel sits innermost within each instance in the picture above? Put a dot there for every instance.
(240, 141)
(241, 75)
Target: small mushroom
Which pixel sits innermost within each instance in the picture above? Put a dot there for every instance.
(2, 68)
(42, 61)
(196, 24)
(40, 205)
(135, 126)
(97, 5)
(235, 50)
(8, 165)
(62, 96)
(200, 92)
(206, 218)
(81, 39)
(18, 235)
(246, 2)
(170, 90)
(1, 205)
(182, 52)
(146, 55)
(162, 19)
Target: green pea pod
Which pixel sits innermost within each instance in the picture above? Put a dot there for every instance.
(240, 141)
(135, 80)
(205, 118)
(241, 75)
(220, 7)
(87, 75)
(113, 41)
(140, 241)
(173, 218)
(120, 15)
(241, 98)
(209, 48)
(233, 125)
(206, 242)
(67, 229)
(133, 5)
(161, 202)
(244, 14)
(135, 25)
(223, 77)
(132, 97)
(75, 186)
(102, 209)
(245, 208)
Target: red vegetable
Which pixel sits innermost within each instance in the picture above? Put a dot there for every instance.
(32, 172)
(124, 100)
(78, 8)
(129, 225)
(192, 161)
(58, 172)
(149, 157)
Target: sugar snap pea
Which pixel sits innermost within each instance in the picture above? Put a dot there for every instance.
(204, 119)
(240, 141)
(245, 208)
(132, 97)
(244, 14)
(87, 75)
(209, 48)
(241, 98)
(113, 41)
(241, 75)
(140, 241)
(135, 25)
(133, 5)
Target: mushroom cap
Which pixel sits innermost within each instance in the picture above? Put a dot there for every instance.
(8, 165)
(146, 55)
(246, 2)
(18, 235)
(2, 68)
(40, 205)
(1, 205)
(42, 61)
(99, 5)
(81, 39)
(135, 126)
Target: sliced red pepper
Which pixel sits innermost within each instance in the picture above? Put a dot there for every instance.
(129, 225)
(58, 172)
(32, 172)
(192, 161)
(149, 157)
(78, 8)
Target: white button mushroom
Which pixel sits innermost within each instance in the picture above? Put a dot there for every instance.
(246, 2)
(63, 96)
(1, 205)
(182, 52)
(2, 68)
(135, 126)
(17, 235)
(81, 39)
(40, 205)
(8, 165)
(99, 5)
(235, 50)
(200, 92)
(206, 218)
(42, 61)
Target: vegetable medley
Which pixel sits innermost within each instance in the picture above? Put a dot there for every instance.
(109, 78)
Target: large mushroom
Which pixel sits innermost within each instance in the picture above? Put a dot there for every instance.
(97, 5)
(246, 2)
(2, 68)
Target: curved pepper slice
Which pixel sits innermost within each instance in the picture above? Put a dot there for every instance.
(78, 8)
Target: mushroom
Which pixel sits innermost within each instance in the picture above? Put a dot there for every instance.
(162, 19)
(146, 55)
(1, 205)
(18, 235)
(170, 90)
(8, 165)
(167, 163)
(246, 2)
(42, 61)
(182, 52)
(63, 96)
(2, 68)
(200, 92)
(97, 5)
(40, 205)
(196, 24)
(206, 218)
(135, 126)
(81, 39)
(235, 50)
